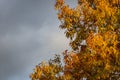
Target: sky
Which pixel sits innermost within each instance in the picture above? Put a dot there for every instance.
(29, 34)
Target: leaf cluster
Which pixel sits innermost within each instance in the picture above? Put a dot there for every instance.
(97, 22)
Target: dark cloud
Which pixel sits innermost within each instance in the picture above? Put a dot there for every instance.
(29, 33)
(15, 13)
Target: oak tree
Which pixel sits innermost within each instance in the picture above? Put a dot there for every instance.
(97, 24)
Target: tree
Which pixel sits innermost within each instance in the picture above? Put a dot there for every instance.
(97, 23)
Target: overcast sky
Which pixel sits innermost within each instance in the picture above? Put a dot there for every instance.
(29, 34)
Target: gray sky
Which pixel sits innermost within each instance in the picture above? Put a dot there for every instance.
(29, 34)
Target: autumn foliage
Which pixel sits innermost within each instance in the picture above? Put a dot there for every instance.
(97, 23)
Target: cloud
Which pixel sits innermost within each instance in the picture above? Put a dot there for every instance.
(29, 33)
(27, 48)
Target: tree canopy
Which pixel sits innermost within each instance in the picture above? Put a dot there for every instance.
(97, 23)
